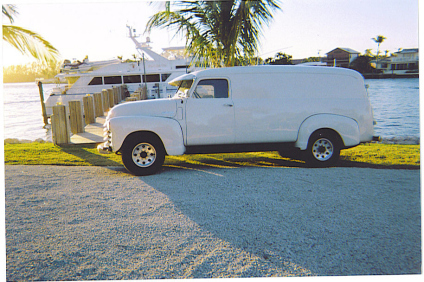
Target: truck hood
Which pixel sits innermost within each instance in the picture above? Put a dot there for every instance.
(157, 108)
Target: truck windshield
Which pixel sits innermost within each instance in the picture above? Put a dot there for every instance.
(183, 87)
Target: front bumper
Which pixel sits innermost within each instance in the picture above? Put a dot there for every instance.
(106, 147)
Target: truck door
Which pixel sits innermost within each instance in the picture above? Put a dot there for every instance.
(210, 114)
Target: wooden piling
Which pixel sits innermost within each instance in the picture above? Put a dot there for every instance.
(98, 105)
(105, 100)
(43, 106)
(119, 89)
(158, 90)
(125, 92)
(89, 109)
(144, 92)
(115, 95)
(111, 98)
(60, 134)
(135, 95)
(75, 113)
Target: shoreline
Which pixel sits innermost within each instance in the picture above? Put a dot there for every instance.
(384, 76)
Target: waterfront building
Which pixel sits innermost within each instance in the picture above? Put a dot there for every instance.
(341, 57)
(403, 62)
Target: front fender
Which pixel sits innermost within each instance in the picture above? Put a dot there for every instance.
(168, 130)
(346, 127)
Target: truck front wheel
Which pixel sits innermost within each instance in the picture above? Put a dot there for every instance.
(323, 149)
(143, 154)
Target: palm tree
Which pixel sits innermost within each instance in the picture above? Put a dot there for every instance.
(27, 41)
(379, 39)
(223, 33)
(280, 59)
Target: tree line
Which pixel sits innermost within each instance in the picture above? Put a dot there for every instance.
(30, 72)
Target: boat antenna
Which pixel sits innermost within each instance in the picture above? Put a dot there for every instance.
(143, 47)
(131, 30)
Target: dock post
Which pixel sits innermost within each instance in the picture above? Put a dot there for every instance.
(60, 132)
(88, 109)
(125, 92)
(43, 106)
(119, 89)
(158, 89)
(111, 98)
(122, 89)
(115, 96)
(144, 92)
(98, 105)
(136, 95)
(75, 114)
(105, 99)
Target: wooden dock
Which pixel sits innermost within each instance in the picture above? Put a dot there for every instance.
(68, 120)
(93, 133)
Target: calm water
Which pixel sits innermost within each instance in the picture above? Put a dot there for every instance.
(396, 106)
(395, 103)
(22, 113)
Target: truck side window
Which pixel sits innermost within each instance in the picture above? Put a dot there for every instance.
(212, 88)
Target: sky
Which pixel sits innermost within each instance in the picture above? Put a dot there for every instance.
(303, 28)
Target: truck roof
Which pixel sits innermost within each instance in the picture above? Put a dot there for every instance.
(217, 72)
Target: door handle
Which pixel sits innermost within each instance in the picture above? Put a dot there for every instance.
(228, 105)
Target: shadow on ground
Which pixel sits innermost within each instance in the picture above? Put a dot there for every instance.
(85, 153)
(330, 221)
(240, 160)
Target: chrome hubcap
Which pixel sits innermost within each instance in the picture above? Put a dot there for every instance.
(322, 149)
(144, 155)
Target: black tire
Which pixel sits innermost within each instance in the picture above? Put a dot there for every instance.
(143, 153)
(323, 149)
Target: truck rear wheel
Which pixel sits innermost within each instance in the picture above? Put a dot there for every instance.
(323, 149)
(143, 154)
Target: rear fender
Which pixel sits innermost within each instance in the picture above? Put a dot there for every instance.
(346, 127)
(168, 130)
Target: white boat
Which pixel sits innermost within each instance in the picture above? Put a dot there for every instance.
(92, 77)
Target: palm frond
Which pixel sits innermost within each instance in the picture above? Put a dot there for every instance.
(27, 41)
(222, 32)
(10, 11)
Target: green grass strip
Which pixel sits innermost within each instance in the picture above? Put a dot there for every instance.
(367, 155)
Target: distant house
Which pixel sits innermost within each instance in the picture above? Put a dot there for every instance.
(341, 57)
(403, 62)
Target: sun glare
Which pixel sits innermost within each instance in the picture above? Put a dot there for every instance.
(11, 56)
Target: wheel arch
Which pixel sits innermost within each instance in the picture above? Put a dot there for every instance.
(167, 130)
(346, 128)
(142, 132)
(327, 131)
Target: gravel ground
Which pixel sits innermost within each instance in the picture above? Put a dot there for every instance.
(97, 223)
